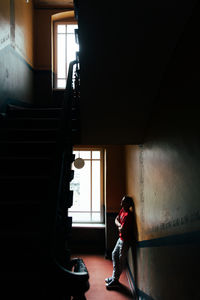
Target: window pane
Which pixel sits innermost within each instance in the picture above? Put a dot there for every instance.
(85, 217)
(96, 217)
(96, 185)
(86, 198)
(82, 154)
(66, 51)
(72, 47)
(81, 187)
(85, 154)
(61, 83)
(96, 154)
(61, 72)
(80, 217)
(61, 28)
(70, 28)
(77, 154)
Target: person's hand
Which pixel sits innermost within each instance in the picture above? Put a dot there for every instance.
(120, 228)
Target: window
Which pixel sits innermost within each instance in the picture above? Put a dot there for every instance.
(65, 51)
(87, 187)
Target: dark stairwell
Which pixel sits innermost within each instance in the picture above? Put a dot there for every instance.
(151, 95)
(36, 145)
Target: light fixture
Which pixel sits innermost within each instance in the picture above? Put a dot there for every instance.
(79, 163)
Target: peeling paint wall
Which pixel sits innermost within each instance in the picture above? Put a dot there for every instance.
(5, 23)
(16, 52)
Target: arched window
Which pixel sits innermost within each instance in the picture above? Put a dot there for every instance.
(64, 46)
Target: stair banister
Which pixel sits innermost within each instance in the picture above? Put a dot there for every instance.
(68, 99)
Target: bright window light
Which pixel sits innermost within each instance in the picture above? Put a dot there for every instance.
(87, 188)
(66, 49)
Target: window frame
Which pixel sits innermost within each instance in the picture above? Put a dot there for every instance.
(55, 47)
(102, 206)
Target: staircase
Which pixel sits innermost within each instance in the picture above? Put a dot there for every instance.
(36, 146)
(29, 166)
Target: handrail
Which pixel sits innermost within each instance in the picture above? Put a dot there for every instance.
(68, 98)
(80, 273)
(70, 74)
(66, 147)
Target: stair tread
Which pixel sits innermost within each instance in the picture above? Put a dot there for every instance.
(15, 107)
(25, 177)
(28, 142)
(29, 129)
(31, 118)
(17, 234)
(19, 202)
(25, 158)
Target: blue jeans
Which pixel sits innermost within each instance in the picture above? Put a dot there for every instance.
(119, 255)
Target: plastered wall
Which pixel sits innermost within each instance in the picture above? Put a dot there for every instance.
(124, 55)
(114, 191)
(115, 177)
(5, 23)
(24, 30)
(44, 51)
(163, 177)
(43, 35)
(16, 52)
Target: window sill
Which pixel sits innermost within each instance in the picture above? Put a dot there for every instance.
(59, 89)
(88, 225)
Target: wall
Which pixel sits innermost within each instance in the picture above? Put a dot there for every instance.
(16, 52)
(115, 190)
(125, 50)
(163, 177)
(106, 107)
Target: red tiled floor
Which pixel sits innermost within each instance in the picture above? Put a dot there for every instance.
(99, 268)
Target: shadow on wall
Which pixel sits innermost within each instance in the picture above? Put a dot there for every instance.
(133, 251)
(132, 265)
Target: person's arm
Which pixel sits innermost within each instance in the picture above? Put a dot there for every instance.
(127, 229)
(118, 224)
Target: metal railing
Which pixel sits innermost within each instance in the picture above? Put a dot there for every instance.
(64, 196)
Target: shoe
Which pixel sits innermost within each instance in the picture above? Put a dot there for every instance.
(114, 283)
(109, 279)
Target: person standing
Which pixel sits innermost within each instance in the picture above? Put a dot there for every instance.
(125, 224)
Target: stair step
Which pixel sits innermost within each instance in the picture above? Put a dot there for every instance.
(26, 166)
(28, 187)
(31, 177)
(27, 148)
(20, 251)
(33, 111)
(34, 158)
(25, 188)
(34, 106)
(30, 122)
(19, 216)
(28, 133)
(9, 185)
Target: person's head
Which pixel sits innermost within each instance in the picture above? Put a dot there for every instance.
(127, 202)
